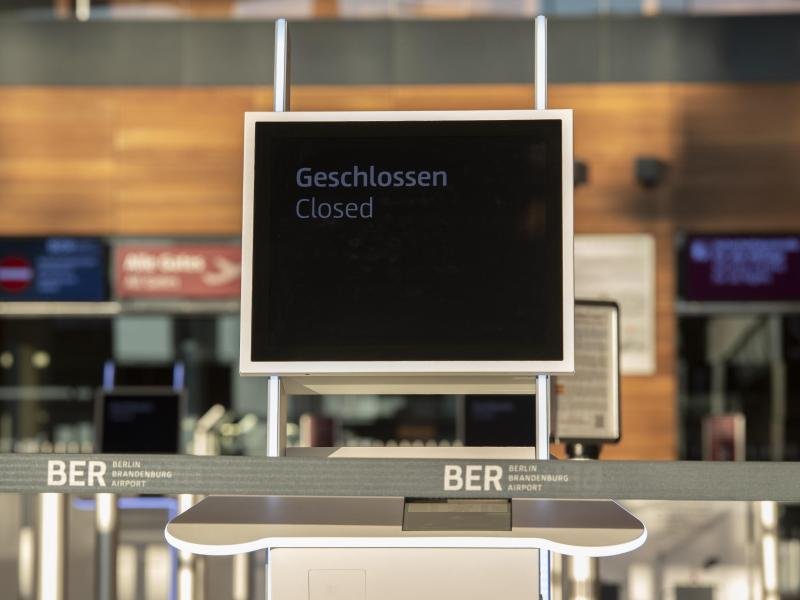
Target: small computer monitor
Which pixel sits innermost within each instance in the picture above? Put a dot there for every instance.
(140, 420)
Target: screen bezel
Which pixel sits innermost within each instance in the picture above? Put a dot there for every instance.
(304, 369)
(614, 401)
(143, 391)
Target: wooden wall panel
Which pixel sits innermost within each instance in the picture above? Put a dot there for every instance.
(115, 154)
(179, 156)
(56, 165)
(167, 161)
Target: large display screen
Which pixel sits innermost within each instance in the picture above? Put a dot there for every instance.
(142, 420)
(740, 268)
(408, 241)
(56, 268)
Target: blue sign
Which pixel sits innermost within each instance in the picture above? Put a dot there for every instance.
(57, 268)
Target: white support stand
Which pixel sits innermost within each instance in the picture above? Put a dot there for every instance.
(376, 531)
(276, 396)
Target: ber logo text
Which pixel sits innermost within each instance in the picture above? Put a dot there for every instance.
(76, 473)
(473, 478)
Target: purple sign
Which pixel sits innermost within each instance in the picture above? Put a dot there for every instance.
(741, 268)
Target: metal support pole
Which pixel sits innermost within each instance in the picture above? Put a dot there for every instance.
(241, 577)
(580, 577)
(766, 528)
(276, 399)
(281, 72)
(276, 417)
(105, 551)
(540, 64)
(542, 417)
(191, 567)
(542, 381)
(777, 437)
(543, 453)
(51, 563)
(26, 565)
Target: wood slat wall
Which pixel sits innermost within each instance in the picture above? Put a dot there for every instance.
(167, 161)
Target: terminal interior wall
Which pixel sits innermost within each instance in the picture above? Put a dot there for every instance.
(166, 161)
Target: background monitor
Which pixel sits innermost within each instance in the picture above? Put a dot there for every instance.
(141, 420)
(499, 420)
(408, 242)
(740, 267)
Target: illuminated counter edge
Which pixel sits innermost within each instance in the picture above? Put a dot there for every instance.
(224, 525)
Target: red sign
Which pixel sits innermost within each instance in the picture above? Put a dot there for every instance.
(16, 273)
(212, 271)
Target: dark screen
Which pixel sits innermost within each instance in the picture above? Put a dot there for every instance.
(407, 241)
(741, 267)
(140, 422)
(154, 375)
(499, 420)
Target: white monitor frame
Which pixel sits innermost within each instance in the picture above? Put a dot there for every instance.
(501, 373)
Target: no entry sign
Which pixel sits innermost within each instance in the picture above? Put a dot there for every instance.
(16, 273)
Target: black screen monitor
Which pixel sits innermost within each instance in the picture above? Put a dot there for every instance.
(408, 243)
(141, 420)
(499, 420)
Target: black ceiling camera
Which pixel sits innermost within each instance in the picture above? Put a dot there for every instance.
(580, 173)
(650, 171)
